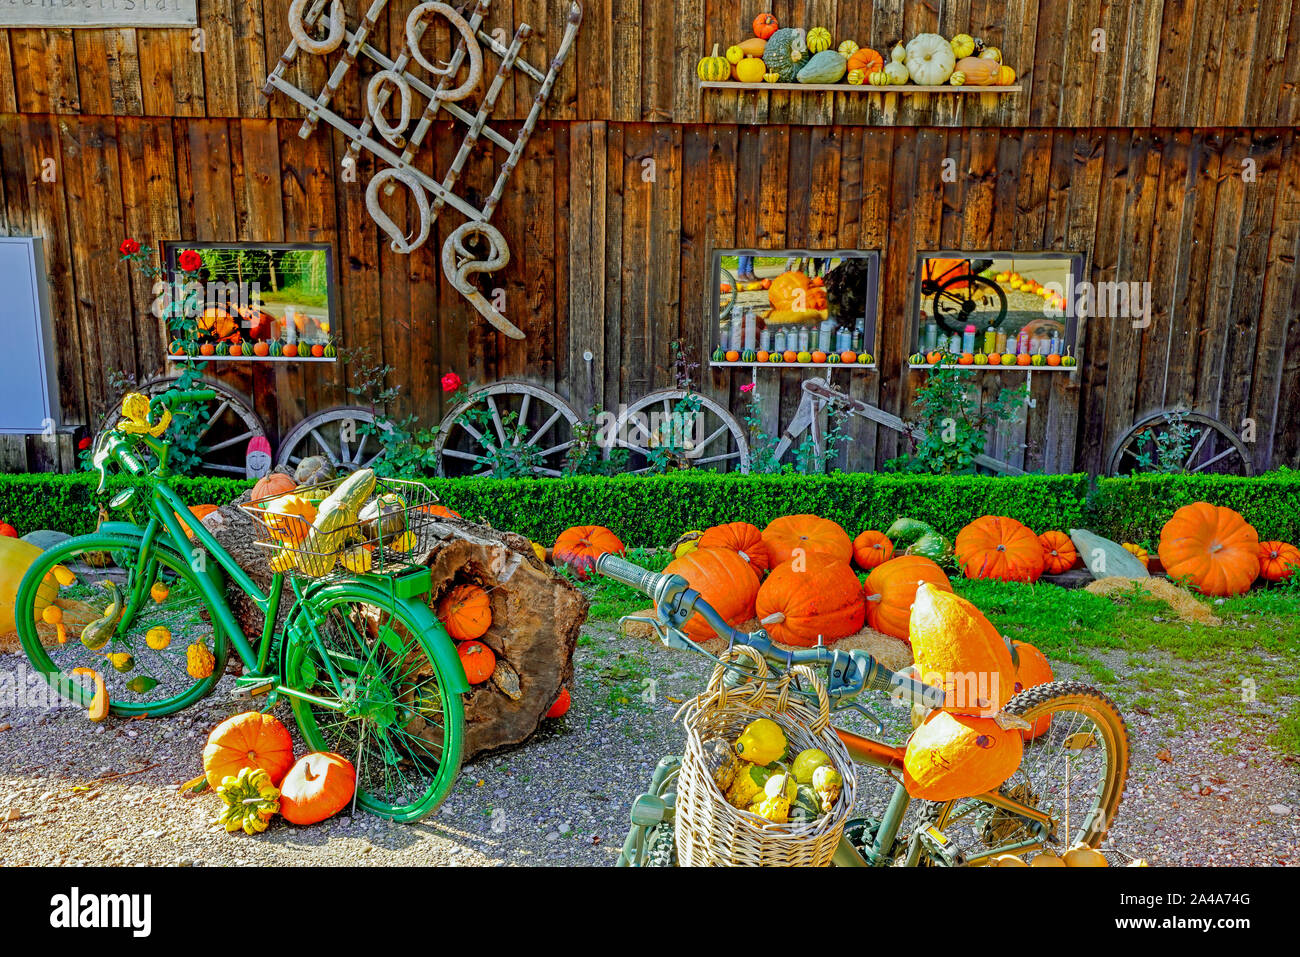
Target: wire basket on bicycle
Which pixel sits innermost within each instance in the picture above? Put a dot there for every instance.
(359, 524)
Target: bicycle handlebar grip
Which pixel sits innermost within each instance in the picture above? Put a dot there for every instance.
(619, 569)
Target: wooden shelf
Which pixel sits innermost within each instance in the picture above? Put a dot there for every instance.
(172, 358)
(861, 88)
(988, 368)
(794, 365)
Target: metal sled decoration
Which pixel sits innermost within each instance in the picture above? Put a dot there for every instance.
(387, 137)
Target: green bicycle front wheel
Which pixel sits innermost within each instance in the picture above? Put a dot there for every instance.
(161, 613)
(385, 700)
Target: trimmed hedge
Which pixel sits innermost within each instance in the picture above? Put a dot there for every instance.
(654, 510)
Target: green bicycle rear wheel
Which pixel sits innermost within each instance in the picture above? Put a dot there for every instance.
(140, 679)
(393, 711)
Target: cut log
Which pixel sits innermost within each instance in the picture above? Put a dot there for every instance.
(536, 616)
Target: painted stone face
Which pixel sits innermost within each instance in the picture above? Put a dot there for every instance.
(257, 464)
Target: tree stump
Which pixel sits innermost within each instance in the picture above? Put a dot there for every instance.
(536, 616)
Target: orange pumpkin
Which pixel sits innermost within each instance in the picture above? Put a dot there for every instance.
(317, 787)
(723, 579)
(807, 532)
(1213, 547)
(580, 546)
(249, 740)
(953, 756)
(466, 611)
(765, 25)
(995, 546)
(561, 706)
(440, 510)
(1059, 553)
(867, 60)
(871, 549)
(1138, 552)
(274, 483)
(957, 649)
(200, 512)
(821, 601)
(1278, 560)
(288, 518)
(478, 661)
(1034, 670)
(890, 590)
(791, 290)
(743, 539)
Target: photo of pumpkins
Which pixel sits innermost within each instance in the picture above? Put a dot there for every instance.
(814, 56)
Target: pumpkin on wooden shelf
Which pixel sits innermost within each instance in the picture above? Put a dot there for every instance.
(1033, 670)
(765, 25)
(847, 48)
(580, 546)
(1059, 554)
(786, 53)
(317, 787)
(891, 588)
(478, 661)
(929, 59)
(953, 756)
(1213, 547)
(249, 740)
(866, 59)
(818, 39)
(724, 580)
(750, 70)
(1278, 561)
(953, 643)
(818, 599)
(466, 612)
(813, 535)
(824, 67)
(855, 78)
(742, 538)
(872, 549)
(754, 47)
(734, 54)
(713, 68)
(1007, 77)
(995, 546)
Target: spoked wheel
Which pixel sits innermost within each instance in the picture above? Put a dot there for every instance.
(143, 661)
(1179, 442)
(966, 299)
(346, 436)
(674, 429)
(504, 430)
(392, 714)
(1074, 769)
(727, 299)
(228, 424)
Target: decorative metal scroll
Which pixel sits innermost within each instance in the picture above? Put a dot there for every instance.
(392, 131)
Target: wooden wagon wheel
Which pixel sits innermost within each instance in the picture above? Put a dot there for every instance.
(708, 437)
(230, 425)
(506, 429)
(1205, 445)
(344, 435)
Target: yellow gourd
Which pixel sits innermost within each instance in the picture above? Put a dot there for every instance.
(818, 39)
(856, 77)
(16, 556)
(158, 637)
(357, 559)
(159, 592)
(98, 710)
(735, 54)
(713, 68)
(199, 661)
(750, 70)
(1081, 855)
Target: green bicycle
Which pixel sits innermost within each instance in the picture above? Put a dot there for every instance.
(368, 669)
(1066, 792)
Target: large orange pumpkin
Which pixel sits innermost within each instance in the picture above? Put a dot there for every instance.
(1278, 560)
(872, 549)
(249, 740)
(1213, 547)
(1034, 670)
(580, 546)
(317, 787)
(953, 756)
(808, 532)
(1059, 553)
(723, 579)
(743, 539)
(957, 649)
(823, 600)
(995, 546)
(890, 590)
(466, 612)
(867, 60)
(791, 290)
(275, 483)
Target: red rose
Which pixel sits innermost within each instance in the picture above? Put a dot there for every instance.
(747, 387)
(129, 247)
(190, 261)
(450, 382)
(84, 443)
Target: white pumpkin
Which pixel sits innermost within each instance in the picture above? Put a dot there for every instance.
(897, 73)
(930, 59)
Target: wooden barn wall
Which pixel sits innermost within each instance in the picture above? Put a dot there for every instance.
(1156, 63)
(606, 262)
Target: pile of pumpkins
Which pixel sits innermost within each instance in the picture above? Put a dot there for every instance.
(776, 54)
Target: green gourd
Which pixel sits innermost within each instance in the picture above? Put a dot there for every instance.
(96, 634)
(906, 531)
(785, 54)
(833, 358)
(276, 348)
(250, 800)
(829, 66)
(933, 546)
(749, 355)
(319, 550)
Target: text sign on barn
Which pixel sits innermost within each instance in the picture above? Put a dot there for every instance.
(98, 13)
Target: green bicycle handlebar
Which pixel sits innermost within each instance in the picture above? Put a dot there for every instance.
(174, 397)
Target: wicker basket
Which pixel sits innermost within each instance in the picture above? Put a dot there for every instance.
(712, 833)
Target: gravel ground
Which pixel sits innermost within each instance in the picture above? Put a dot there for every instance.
(74, 794)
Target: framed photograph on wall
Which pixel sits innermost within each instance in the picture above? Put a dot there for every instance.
(793, 307)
